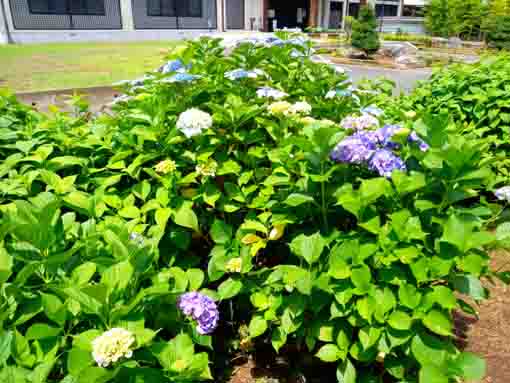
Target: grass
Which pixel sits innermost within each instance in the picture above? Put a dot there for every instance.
(35, 67)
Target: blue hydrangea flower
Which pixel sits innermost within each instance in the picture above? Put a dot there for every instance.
(174, 66)
(372, 110)
(181, 77)
(385, 134)
(503, 194)
(202, 309)
(413, 137)
(385, 162)
(237, 74)
(267, 92)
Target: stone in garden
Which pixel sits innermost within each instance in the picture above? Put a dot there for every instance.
(397, 49)
(454, 42)
(410, 60)
(356, 54)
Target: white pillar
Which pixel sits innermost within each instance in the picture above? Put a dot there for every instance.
(327, 13)
(126, 14)
(3, 26)
(220, 15)
(400, 8)
(345, 12)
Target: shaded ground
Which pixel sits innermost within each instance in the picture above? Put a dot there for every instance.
(35, 67)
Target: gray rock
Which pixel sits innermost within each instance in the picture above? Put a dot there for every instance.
(357, 54)
(454, 42)
(410, 60)
(397, 49)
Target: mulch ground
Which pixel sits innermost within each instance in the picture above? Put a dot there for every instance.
(488, 336)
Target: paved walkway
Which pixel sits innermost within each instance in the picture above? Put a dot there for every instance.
(405, 79)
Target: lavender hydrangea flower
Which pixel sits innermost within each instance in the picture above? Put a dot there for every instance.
(202, 309)
(355, 149)
(385, 162)
(503, 193)
(365, 121)
(413, 137)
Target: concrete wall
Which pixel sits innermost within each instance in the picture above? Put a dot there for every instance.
(406, 25)
(3, 26)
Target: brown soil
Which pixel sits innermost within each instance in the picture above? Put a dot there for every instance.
(488, 336)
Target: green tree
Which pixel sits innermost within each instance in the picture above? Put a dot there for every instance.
(497, 24)
(460, 18)
(364, 31)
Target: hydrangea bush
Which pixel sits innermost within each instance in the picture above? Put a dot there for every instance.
(240, 187)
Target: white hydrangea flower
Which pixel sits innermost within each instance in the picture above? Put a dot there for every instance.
(301, 107)
(267, 92)
(112, 345)
(193, 121)
(279, 107)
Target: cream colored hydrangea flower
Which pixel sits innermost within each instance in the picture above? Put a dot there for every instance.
(301, 107)
(111, 346)
(193, 121)
(165, 167)
(207, 169)
(279, 107)
(234, 265)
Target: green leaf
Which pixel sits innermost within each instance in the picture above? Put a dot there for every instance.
(297, 199)
(409, 296)
(41, 331)
(195, 278)
(6, 338)
(257, 327)
(438, 322)
(408, 183)
(88, 303)
(346, 372)
(184, 216)
(469, 366)
(361, 277)
(221, 232)
(471, 286)
(278, 338)
(78, 360)
(84, 339)
(432, 374)
(118, 276)
(54, 308)
(308, 247)
(6, 264)
(399, 320)
(131, 212)
(229, 288)
(83, 273)
(330, 353)
(372, 189)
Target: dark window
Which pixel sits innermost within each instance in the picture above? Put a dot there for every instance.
(172, 8)
(412, 11)
(353, 9)
(386, 10)
(67, 7)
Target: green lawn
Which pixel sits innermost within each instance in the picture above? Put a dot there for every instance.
(34, 67)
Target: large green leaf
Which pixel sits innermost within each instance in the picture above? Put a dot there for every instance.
(308, 247)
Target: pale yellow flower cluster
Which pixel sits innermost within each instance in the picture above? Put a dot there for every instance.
(112, 345)
(288, 109)
(207, 169)
(234, 265)
(165, 167)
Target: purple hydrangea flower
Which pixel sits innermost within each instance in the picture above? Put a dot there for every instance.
(355, 149)
(503, 194)
(202, 309)
(413, 137)
(181, 77)
(238, 74)
(385, 134)
(385, 162)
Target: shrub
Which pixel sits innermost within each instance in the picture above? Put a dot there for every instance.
(234, 186)
(498, 34)
(476, 96)
(364, 34)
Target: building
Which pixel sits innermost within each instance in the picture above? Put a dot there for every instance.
(27, 21)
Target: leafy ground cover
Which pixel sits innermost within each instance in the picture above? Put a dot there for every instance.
(37, 67)
(244, 199)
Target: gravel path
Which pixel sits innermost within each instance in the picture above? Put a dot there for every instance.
(405, 79)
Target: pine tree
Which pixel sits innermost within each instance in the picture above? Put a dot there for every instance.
(364, 31)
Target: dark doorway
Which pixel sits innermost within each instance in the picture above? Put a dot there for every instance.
(289, 14)
(235, 14)
(336, 14)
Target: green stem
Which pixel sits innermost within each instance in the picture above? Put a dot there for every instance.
(324, 208)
